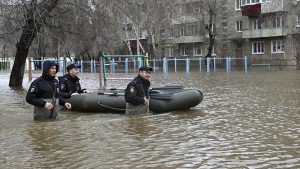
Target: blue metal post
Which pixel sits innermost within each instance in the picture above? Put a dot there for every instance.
(78, 63)
(165, 64)
(246, 63)
(154, 65)
(81, 64)
(226, 63)
(134, 65)
(126, 66)
(200, 64)
(110, 66)
(175, 65)
(208, 64)
(91, 65)
(187, 65)
(215, 63)
(229, 63)
(140, 62)
(95, 66)
(114, 66)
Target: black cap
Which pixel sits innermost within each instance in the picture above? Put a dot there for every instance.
(145, 68)
(72, 66)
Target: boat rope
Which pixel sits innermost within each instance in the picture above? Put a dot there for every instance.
(99, 104)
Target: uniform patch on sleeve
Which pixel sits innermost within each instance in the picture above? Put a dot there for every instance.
(32, 89)
(131, 89)
(62, 86)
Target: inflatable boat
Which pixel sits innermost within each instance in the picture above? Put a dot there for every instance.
(164, 99)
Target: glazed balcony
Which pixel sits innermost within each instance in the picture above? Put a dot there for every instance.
(251, 9)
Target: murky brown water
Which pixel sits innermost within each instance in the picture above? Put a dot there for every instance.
(246, 120)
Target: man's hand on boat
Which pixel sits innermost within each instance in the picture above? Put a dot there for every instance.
(74, 94)
(146, 100)
(68, 105)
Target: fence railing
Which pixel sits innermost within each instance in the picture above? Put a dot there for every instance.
(122, 64)
(4, 65)
(180, 64)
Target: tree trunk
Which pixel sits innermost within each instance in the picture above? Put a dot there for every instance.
(28, 34)
(32, 26)
(17, 73)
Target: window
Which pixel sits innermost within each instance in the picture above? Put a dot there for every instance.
(224, 9)
(258, 47)
(194, 30)
(184, 51)
(256, 24)
(298, 19)
(210, 27)
(266, 0)
(128, 27)
(171, 52)
(238, 4)
(277, 22)
(162, 52)
(191, 30)
(213, 51)
(182, 32)
(278, 46)
(224, 46)
(239, 26)
(249, 2)
(198, 50)
(162, 34)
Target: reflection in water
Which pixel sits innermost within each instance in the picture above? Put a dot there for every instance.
(45, 144)
(137, 126)
(246, 120)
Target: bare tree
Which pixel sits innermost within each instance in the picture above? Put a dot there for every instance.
(59, 24)
(157, 19)
(34, 14)
(209, 14)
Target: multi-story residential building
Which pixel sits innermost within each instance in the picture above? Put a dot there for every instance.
(267, 31)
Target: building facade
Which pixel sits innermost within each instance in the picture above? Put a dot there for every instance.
(267, 31)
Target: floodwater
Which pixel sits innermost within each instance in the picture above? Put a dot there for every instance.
(246, 120)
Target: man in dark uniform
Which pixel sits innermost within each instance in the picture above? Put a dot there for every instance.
(69, 83)
(43, 94)
(137, 92)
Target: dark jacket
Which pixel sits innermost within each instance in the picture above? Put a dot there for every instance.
(69, 85)
(136, 91)
(44, 87)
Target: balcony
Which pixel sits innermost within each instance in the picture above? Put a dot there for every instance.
(187, 39)
(264, 33)
(235, 36)
(273, 6)
(251, 10)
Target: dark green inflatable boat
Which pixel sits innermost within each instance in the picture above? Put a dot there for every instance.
(164, 99)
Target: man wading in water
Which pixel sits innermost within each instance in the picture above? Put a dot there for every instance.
(43, 94)
(137, 92)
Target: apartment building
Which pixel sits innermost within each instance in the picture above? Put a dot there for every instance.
(267, 31)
